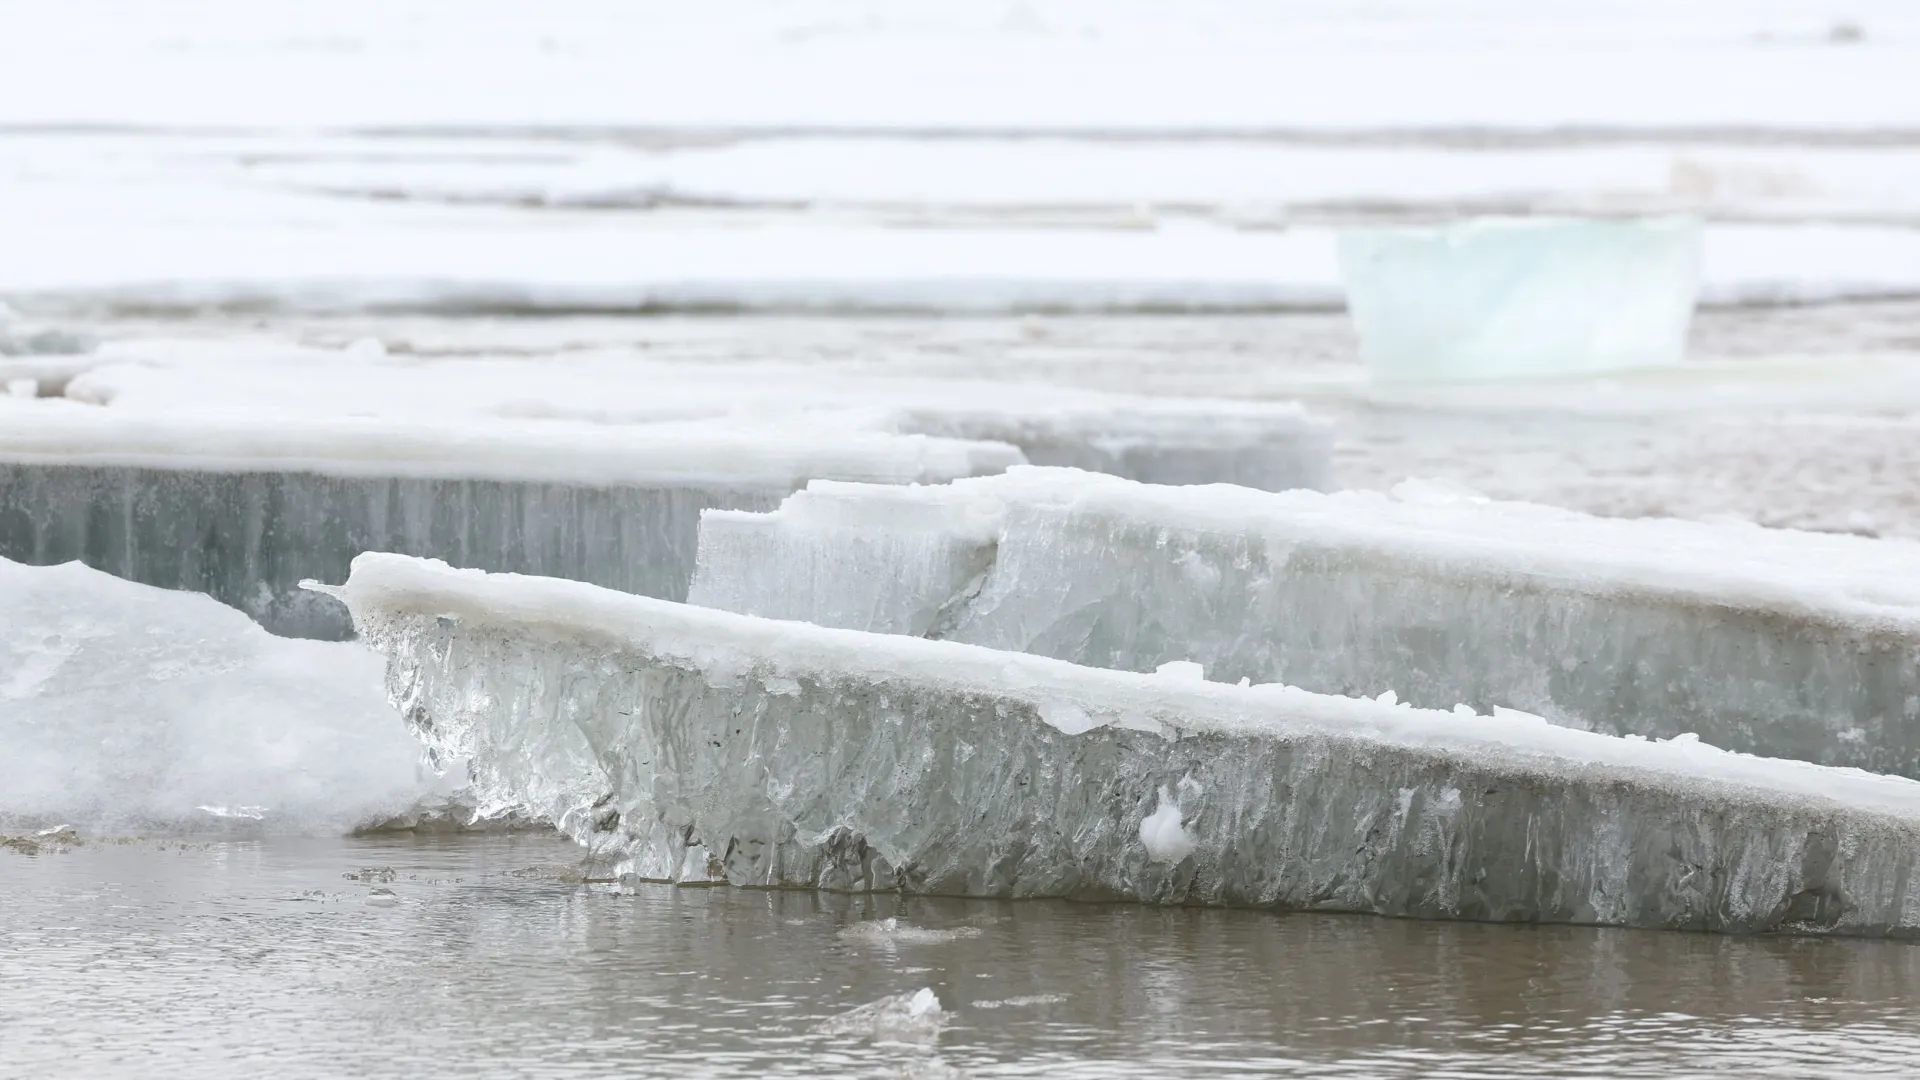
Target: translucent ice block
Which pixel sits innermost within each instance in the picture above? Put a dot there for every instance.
(1791, 644)
(706, 744)
(1521, 298)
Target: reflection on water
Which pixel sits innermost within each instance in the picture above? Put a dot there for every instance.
(491, 958)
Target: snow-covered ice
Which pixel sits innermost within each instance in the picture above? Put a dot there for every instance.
(1502, 298)
(1785, 643)
(130, 708)
(785, 753)
(245, 507)
(1267, 444)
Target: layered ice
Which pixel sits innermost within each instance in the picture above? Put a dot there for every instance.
(1789, 644)
(1503, 298)
(244, 509)
(704, 743)
(129, 708)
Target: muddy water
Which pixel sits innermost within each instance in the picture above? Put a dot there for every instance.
(490, 957)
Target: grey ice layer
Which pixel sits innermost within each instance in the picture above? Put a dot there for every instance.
(244, 510)
(1787, 644)
(702, 743)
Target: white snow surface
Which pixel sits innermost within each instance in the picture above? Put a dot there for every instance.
(1132, 64)
(847, 155)
(723, 644)
(1271, 445)
(129, 708)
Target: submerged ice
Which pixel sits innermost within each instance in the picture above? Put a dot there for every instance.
(125, 707)
(701, 743)
(1768, 641)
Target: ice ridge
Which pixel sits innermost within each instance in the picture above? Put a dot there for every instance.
(1775, 642)
(701, 743)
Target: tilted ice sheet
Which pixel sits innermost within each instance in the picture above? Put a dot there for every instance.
(1528, 298)
(245, 508)
(125, 707)
(1791, 644)
(704, 743)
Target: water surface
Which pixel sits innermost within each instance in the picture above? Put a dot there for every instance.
(492, 957)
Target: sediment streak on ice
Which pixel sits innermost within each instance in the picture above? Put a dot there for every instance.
(1783, 643)
(787, 754)
(244, 510)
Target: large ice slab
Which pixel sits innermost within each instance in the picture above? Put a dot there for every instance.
(1500, 298)
(703, 743)
(243, 509)
(125, 707)
(1791, 644)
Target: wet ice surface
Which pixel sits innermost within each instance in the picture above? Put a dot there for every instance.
(492, 957)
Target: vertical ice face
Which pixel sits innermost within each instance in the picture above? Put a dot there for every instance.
(787, 754)
(245, 512)
(1526, 298)
(249, 538)
(1788, 644)
(129, 708)
(901, 561)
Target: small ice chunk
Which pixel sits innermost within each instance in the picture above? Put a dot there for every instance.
(891, 931)
(1182, 669)
(914, 1019)
(23, 388)
(1068, 717)
(1161, 832)
(1521, 298)
(366, 348)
